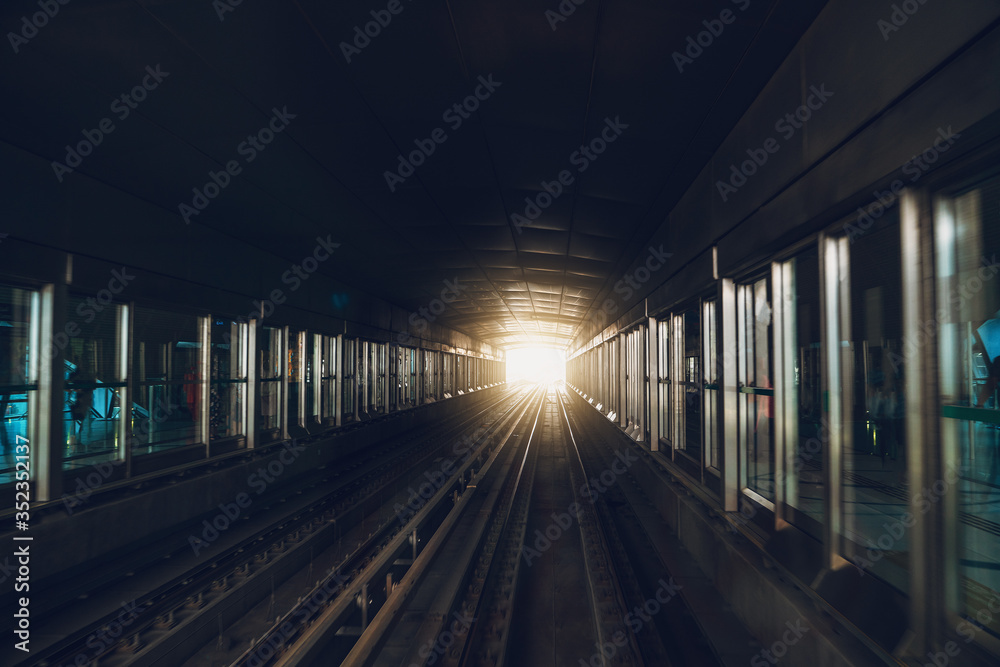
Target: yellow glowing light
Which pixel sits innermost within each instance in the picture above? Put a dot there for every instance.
(536, 364)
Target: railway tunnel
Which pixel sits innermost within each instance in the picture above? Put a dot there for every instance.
(532, 333)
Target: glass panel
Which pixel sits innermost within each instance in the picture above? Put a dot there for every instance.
(875, 490)
(413, 360)
(756, 410)
(166, 408)
(806, 492)
(711, 388)
(365, 375)
(430, 369)
(349, 385)
(91, 403)
(374, 375)
(664, 380)
(968, 239)
(295, 342)
(449, 370)
(18, 372)
(269, 412)
(677, 389)
(309, 377)
(692, 384)
(227, 397)
(328, 382)
(614, 378)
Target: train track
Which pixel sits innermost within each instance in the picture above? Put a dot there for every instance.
(373, 573)
(460, 603)
(164, 622)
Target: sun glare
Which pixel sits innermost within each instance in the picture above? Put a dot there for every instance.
(536, 364)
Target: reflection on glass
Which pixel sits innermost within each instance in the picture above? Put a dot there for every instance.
(875, 490)
(309, 376)
(350, 360)
(412, 366)
(91, 399)
(18, 380)
(328, 377)
(614, 381)
(756, 397)
(806, 492)
(712, 444)
(227, 394)
(269, 412)
(967, 234)
(430, 372)
(166, 407)
(692, 384)
(295, 341)
(664, 381)
(448, 360)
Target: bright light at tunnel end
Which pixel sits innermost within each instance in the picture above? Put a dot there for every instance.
(544, 365)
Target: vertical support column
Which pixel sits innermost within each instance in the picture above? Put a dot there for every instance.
(786, 432)
(299, 342)
(622, 367)
(336, 351)
(728, 397)
(832, 268)
(934, 583)
(677, 372)
(361, 389)
(653, 383)
(253, 384)
(316, 373)
(46, 450)
(283, 347)
(126, 329)
(205, 380)
(383, 349)
(419, 359)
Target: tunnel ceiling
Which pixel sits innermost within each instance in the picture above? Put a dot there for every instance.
(555, 80)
